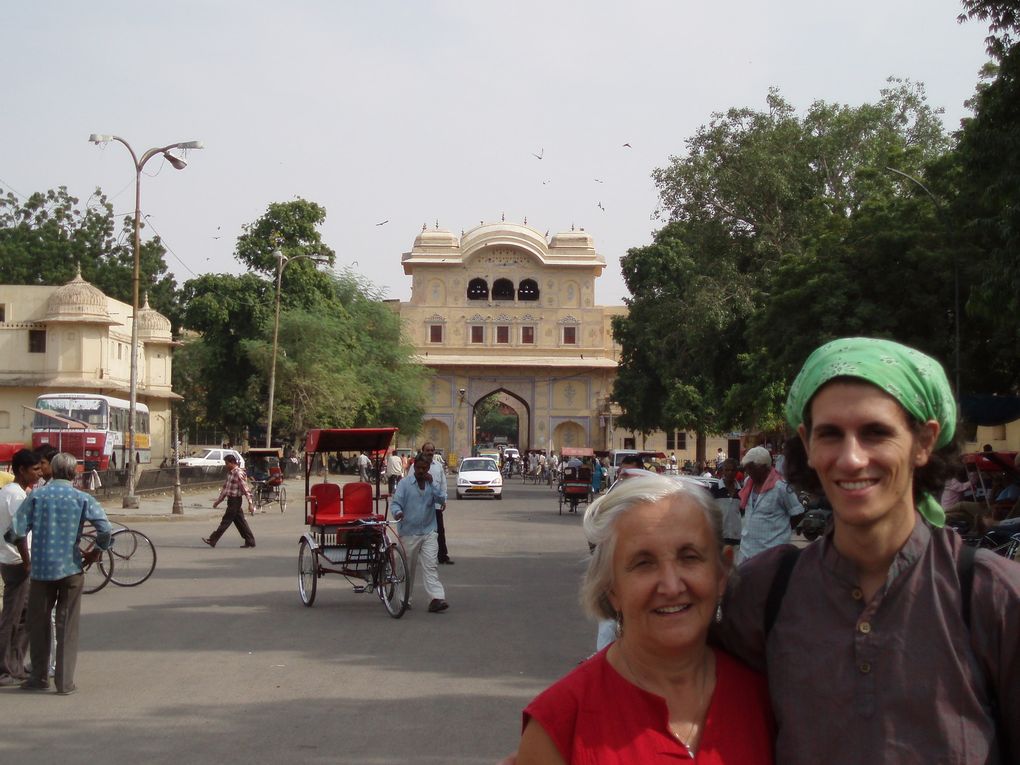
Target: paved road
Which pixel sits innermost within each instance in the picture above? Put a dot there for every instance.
(215, 659)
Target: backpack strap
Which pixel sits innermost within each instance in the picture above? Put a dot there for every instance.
(965, 570)
(777, 590)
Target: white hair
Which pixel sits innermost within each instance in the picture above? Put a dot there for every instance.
(600, 529)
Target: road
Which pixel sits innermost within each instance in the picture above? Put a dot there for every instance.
(215, 659)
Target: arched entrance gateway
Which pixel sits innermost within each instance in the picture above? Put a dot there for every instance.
(506, 318)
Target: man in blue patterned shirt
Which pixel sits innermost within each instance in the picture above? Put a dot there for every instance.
(55, 514)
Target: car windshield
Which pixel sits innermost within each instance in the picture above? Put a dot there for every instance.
(486, 466)
(209, 454)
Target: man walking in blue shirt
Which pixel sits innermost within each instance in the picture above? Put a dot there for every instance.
(55, 514)
(414, 506)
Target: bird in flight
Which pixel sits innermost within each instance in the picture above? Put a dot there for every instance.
(383, 223)
(545, 183)
(603, 209)
(599, 180)
(627, 146)
(541, 153)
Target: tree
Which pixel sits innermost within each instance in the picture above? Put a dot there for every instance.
(985, 209)
(341, 359)
(225, 311)
(291, 228)
(760, 201)
(44, 239)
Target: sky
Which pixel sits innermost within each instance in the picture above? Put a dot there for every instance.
(424, 112)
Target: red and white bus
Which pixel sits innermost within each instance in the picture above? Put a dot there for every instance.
(92, 427)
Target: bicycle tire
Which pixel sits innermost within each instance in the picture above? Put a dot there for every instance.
(96, 575)
(135, 557)
(282, 498)
(391, 582)
(308, 572)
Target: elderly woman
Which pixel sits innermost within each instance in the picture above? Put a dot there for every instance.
(658, 693)
(886, 641)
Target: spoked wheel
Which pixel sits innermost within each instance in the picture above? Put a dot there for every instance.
(282, 497)
(308, 573)
(561, 503)
(391, 581)
(135, 557)
(97, 574)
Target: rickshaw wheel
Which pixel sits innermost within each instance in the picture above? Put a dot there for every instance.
(282, 497)
(308, 573)
(561, 503)
(391, 581)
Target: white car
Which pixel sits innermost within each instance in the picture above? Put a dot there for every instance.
(211, 458)
(479, 477)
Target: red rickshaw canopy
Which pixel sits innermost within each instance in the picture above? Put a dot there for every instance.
(349, 439)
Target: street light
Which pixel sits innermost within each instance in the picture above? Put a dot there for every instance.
(956, 278)
(130, 500)
(281, 263)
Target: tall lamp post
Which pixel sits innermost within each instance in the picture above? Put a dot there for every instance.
(956, 280)
(281, 263)
(130, 500)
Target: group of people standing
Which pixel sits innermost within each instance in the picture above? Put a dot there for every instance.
(41, 519)
(888, 640)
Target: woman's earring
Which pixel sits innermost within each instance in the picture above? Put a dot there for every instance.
(718, 612)
(619, 624)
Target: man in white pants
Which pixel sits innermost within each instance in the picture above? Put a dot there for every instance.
(414, 506)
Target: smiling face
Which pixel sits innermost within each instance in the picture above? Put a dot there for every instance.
(667, 575)
(864, 451)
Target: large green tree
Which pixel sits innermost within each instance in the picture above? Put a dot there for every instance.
(45, 238)
(756, 204)
(341, 360)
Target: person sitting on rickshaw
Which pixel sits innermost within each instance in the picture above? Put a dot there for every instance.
(260, 472)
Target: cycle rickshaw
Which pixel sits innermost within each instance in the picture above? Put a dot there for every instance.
(265, 469)
(575, 483)
(348, 533)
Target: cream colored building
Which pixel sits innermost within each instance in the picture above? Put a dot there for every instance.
(505, 311)
(75, 339)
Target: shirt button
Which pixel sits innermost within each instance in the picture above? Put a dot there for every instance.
(864, 627)
(856, 593)
(864, 667)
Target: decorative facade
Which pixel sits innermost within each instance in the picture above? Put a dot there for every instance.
(75, 339)
(507, 311)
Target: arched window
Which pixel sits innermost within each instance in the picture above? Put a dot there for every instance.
(503, 289)
(528, 290)
(478, 289)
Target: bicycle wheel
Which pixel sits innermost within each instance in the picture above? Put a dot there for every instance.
(97, 574)
(391, 579)
(308, 573)
(282, 497)
(135, 557)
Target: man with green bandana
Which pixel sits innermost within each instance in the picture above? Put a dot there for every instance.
(899, 645)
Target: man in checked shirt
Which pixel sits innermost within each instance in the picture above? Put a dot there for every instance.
(233, 489)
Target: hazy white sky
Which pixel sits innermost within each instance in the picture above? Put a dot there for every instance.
(414, 112)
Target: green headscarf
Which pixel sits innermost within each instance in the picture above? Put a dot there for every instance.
(915, 380)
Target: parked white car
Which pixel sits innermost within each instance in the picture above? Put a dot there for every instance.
(479, 477)
(211, 458)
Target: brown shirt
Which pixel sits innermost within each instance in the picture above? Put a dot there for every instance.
(899, 679)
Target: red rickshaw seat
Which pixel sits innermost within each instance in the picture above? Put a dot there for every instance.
(357, 502)
(324, 505)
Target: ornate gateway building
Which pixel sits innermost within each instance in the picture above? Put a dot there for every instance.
(504, 311)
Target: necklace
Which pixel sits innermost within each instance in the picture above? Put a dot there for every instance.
(686, 741)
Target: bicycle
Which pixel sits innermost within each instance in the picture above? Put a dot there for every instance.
(129, 560)
(97, 573)
(265, 493)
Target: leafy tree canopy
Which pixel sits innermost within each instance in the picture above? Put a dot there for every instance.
(46, 237)
(783, 230)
